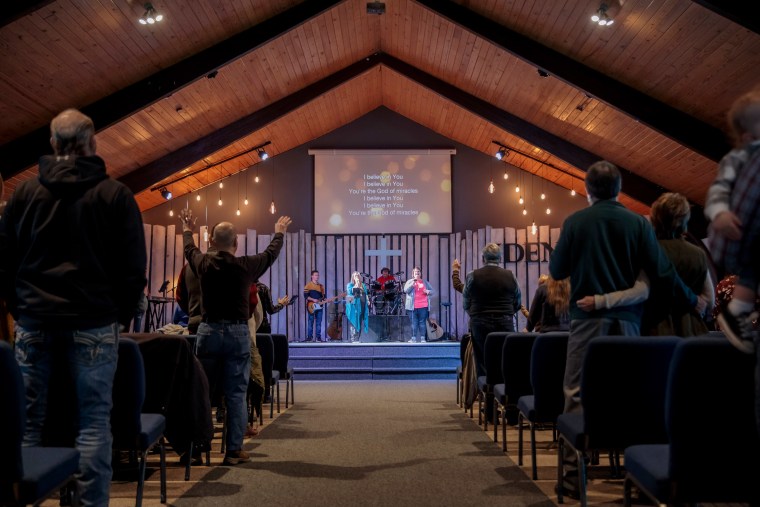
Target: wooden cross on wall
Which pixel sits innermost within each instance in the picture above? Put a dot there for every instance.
(382, 253)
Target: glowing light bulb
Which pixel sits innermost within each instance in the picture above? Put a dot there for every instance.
(548, 211)
(506, 176)
(256, 179)
(171, 212)
(272, 209)
(220, 202)
(221, 185)
(517, 188)
(572, 192)
(198, 197)
(525, 212)
(205, 235)
(245, 202)
(491, 188)
(522, 200)
(533, 229)
(543, 196)
(238, 212)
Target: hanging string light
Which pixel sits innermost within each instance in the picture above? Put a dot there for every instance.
(246, 188)
(506, 176)
(543, 180)
(171, 205)
(238, 195)
(572, 186)
(533, 228)
(272, 208)
(220, 186)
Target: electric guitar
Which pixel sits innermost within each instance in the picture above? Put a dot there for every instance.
(315, 307)
(434, 331)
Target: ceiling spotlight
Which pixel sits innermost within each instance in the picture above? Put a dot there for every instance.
(165, 193)
(150, 16)
(601, 17)
(542, 73)
(501, 153)
(263, 155)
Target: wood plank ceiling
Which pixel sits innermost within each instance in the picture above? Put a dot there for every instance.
(648, 93)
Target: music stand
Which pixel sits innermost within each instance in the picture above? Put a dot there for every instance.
(164, 287)
(446, 306)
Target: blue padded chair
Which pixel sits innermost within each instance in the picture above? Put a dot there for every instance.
(28, 475)
(694, 467)
(132, 430)
(623, 397)
(460, 385)
(492, 359)
(271, 376)
(281, 366)
(547, 372)
(515, 369)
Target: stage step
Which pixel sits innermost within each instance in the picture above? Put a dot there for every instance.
(363, 361)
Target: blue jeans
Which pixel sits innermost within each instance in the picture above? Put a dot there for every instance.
(419, 318)
(226, 349)
(315, 322)
(92, 355)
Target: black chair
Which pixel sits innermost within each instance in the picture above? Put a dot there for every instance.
(28, 475)
(492, 359)
(133, 431)
(515, 369)
(271, 377)
(281, 359)
(547, 372)
(692, 467)
(623, 397)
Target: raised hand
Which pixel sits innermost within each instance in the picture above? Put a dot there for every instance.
(282, 224)
(456, 265)
(187, 219)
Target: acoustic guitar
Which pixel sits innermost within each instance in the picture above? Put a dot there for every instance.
(312, 307)
(434, 331)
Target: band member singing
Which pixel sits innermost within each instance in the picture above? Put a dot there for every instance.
(314, 292)
(418, 292)
(357, 306)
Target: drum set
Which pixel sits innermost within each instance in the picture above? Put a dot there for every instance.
(387, 298)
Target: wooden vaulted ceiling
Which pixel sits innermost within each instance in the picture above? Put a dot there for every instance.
(648, 93)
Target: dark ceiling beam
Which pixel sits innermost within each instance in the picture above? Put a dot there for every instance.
(634, 185)
(149, 174)
(12, 11)
(686, 130)
(23, 152)
(741, 12)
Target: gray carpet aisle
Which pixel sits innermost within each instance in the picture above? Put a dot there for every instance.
(400, 443)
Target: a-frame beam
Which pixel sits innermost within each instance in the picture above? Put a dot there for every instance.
(741, 12)
(147, 175)
(21, 153)
(686, 130)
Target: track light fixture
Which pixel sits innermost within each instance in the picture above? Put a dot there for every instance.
(601, 17)
(501, 154)
(150, 16)
(165, 193)
(263, 155)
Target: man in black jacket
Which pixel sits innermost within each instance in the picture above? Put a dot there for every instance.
(72, 266)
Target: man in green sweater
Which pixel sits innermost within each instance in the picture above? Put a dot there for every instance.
(602, 249)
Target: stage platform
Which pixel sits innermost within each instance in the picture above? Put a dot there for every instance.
(374, 360)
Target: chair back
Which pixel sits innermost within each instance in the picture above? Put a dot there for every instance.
(623, 390)
(547, 374)
(710, 379)
(12, 423)
(463, 346)
(128, 394)
(492, 357)
(281, 354)
(515, 365)
(266, 350)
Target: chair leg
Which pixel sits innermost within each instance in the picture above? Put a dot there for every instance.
(533, 449)
(278, 396)
(627, 492)
(271, 401)
(495, 426)
(520, 439)
(581, 478)
(162, 454)
(287, 391)
(189, 461)
(140, 480)
(560, 467)
(504, 430)
(292, 390)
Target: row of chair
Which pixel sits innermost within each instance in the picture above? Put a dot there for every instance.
(652, 397)
(29, 475)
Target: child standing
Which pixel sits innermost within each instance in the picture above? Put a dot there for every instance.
(733, 206)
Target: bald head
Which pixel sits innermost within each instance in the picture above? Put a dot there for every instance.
(72, 133)
(224, 237)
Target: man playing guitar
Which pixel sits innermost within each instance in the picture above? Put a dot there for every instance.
(314, 292)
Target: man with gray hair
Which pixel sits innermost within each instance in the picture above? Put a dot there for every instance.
(72, 266)
(491, 296)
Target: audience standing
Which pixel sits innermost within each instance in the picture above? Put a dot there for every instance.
(602, 249)
(223, 334)
(72, 266)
